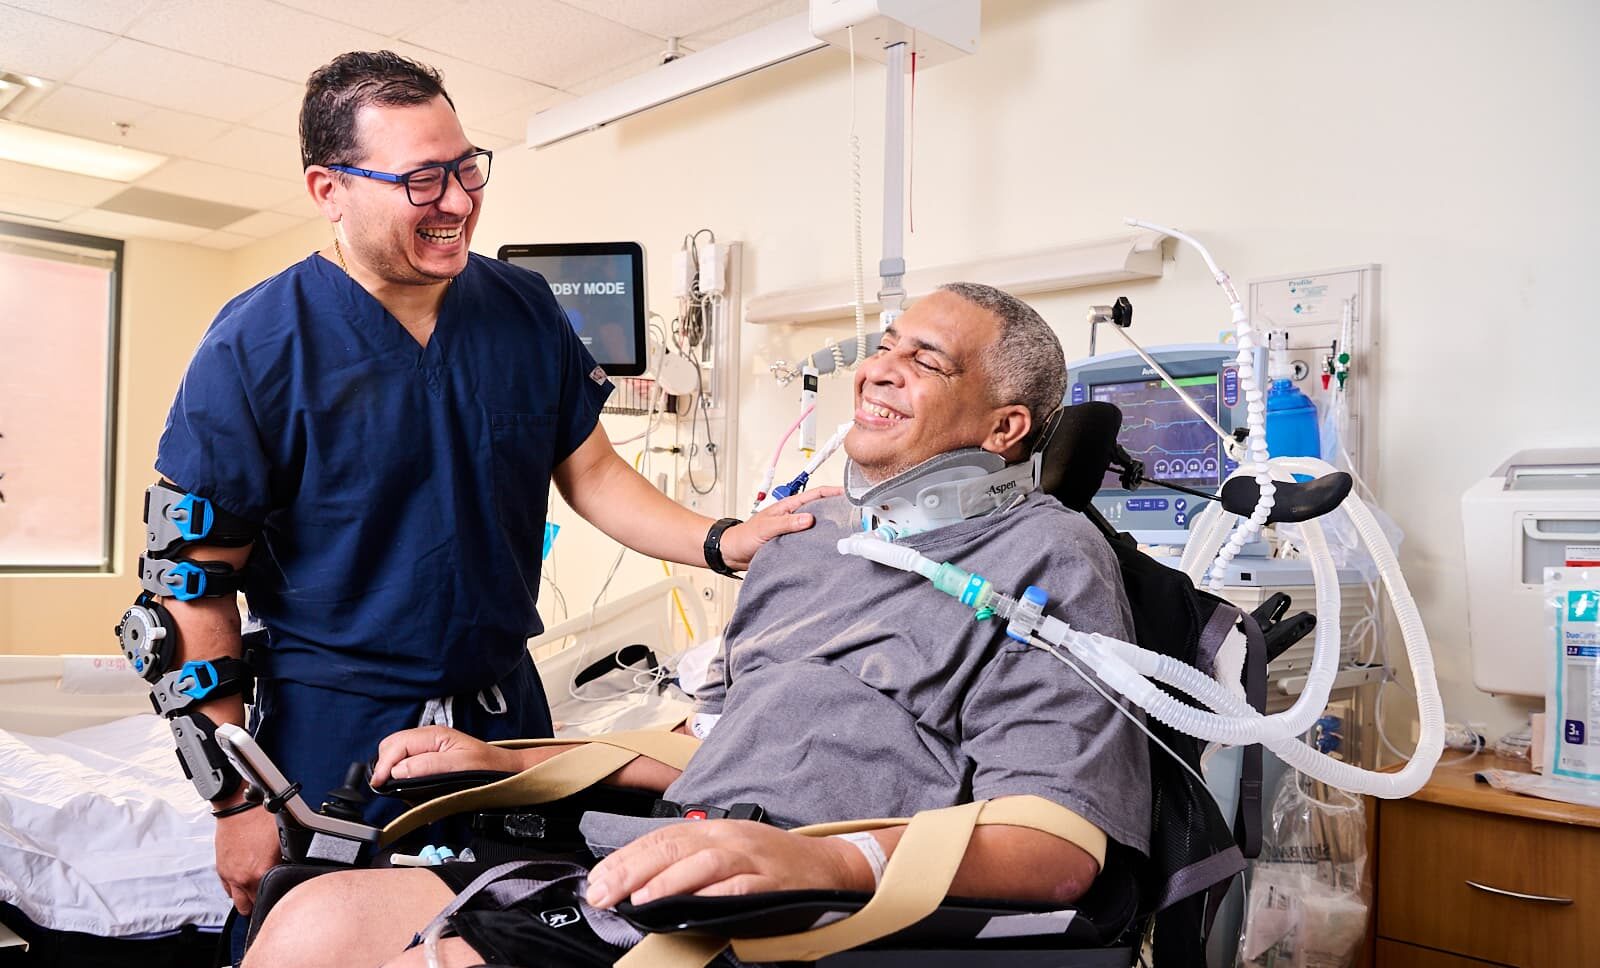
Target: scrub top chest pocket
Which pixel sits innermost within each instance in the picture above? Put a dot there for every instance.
(524, 445)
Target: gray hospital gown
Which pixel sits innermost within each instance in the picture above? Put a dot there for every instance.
(858, 690)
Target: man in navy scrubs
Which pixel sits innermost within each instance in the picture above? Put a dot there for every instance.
(385, 419)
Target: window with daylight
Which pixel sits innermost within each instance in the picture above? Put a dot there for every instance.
(60, 295)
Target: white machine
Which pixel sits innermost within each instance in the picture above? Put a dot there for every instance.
(1540, 509)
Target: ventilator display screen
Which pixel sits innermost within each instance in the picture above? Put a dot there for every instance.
(600, 285)
(1157, 428)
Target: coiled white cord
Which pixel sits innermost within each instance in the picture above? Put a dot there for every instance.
(855, 215)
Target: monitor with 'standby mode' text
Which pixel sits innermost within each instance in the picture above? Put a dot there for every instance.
(600, 286)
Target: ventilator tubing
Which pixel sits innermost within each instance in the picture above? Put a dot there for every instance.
(1254, 459)
(1127, 668)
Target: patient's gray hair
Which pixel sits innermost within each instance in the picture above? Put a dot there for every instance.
(1026, 362)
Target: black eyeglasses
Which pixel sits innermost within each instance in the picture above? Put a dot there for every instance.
(426, 185)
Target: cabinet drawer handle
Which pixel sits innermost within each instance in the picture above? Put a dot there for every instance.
(1518, 894)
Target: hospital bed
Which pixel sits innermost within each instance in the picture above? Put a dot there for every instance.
(105, 853)
(90, 790)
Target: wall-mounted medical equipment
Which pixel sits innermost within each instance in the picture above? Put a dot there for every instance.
(600, 286)
(1328, 325)
(1538, 510)
(1174, 443)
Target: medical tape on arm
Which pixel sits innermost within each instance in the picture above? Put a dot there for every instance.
(575, 770)
(915, 883)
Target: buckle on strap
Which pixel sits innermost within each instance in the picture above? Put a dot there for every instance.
(705, 811)
(174, 518)
(187, 580)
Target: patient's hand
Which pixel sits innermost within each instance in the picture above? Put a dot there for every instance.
(428, 750)
(720, 857)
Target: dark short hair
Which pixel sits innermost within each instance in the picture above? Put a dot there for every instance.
(1025, 362)
(337, 91)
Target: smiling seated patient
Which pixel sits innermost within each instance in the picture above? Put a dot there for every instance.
(846, 690)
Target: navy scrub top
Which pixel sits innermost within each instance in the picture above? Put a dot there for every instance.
(401, 490)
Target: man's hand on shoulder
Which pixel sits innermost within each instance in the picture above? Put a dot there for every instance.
(741, 542)
(724, 857)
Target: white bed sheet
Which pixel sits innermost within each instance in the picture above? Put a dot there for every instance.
(100, 832)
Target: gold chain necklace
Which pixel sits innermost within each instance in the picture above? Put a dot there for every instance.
(338, 253)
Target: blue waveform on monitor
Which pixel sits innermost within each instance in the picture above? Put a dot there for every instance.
(1158, 429)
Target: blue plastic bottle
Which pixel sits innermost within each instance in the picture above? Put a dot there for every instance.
(1291, 423)
(1291, 416)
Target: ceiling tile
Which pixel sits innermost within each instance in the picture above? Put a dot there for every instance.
(181, 82)
(672, 18)
(132, 226)
(168, 207)
(252, 150)
(52, 49)
(218, 184)
(91, 114)
(477, 91)
(391, 18)
(492, 141)
(616, 74)
(28, 206)
(282, 118)
(744, 23)
(262, 225)
(514, 124)
(56, 186)
(223, 240)
(99, 14)
(262, 37)
(540, 40)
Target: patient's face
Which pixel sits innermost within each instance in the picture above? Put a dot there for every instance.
(926, 390)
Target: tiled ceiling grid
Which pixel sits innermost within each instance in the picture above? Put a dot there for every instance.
(215, 85)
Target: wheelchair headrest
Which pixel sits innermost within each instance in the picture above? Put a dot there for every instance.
(1078, 451)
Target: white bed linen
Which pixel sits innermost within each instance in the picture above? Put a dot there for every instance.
(100, 832)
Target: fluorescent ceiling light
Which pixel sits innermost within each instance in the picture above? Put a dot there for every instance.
(742, 55)
(64, 152)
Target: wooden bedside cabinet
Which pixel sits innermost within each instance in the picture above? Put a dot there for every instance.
(1467, 875)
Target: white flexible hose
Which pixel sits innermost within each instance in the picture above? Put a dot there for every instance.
(1254, 459)
(874, 548)
(1126, 667)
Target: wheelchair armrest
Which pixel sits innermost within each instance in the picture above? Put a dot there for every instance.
(420, 789)
(1098, 918)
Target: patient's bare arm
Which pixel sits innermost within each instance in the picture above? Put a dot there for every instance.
(718, 857)
(430, 750)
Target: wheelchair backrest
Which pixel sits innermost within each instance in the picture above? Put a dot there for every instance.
(1195, 852)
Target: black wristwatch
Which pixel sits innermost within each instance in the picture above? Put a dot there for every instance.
(713, 547)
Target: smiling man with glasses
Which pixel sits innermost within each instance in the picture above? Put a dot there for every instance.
(380, 425)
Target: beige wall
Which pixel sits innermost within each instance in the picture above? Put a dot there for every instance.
(1448, 143)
